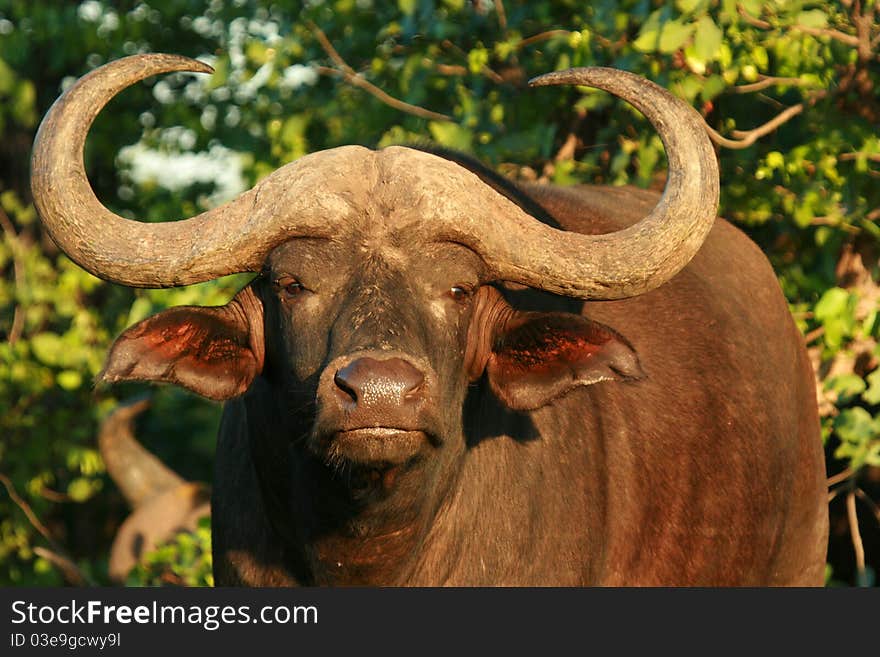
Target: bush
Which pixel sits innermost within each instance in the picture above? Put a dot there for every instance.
(787, 87)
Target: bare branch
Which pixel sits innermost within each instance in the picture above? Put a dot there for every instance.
(837, 35)
(502, 15)
(871, 504)
(450, 69)
(744, 139)
(358, 81)
(18, 273)
(873, 157)
(54, 495)
(766, 81)
(855, 535)
(836, 222)
(69, 570)
(843, 475)
(567, 150)
(813, 335)
(328, 48)
(543, 36)
(26, 508)
(751, 20)
(492, 75)
(57, 555)
(347, 73)
(488, 72)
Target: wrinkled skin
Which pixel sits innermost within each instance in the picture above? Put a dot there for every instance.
(394, 418)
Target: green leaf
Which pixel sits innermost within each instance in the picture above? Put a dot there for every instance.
(713, 86)
(869, 325)
(7, 78)
(872, 394)
(855, 425)
(858, 433)
(407, 6)
(47, 347)
(872, 457)
(649, 34)
(452, 135)
(674, 35)
(690, 6)
(753, 7)
(834, 302)
(775, 160)
(760, 58)
(81, 489)
(69, 379)
(847, 386)
(477, 58)
(814, 18)
(707, 40)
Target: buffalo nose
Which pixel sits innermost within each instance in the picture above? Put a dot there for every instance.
(372, 383)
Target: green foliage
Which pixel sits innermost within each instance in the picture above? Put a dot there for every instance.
(183, 561)
(804, 188)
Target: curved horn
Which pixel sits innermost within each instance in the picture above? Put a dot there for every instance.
(638, 258)
(105, 244)
(232, 238)
(139, 475)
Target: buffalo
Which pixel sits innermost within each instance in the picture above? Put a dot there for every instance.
(440, 377)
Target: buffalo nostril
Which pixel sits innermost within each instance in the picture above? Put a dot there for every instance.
(413, 388)
(370, 382)
(344, 384)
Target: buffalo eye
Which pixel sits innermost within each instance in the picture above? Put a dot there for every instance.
(460, 293)
(289, 287)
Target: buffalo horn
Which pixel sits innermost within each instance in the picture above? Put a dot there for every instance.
(643, 256)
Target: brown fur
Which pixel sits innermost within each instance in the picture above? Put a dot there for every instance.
(673, 437)
(707, 472)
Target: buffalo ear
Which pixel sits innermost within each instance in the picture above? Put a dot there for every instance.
(215, 352)
(538, 357)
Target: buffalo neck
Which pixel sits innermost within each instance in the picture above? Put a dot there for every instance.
(504, 499)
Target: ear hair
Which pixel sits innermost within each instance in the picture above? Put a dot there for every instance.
(215, 352)
(538, 357)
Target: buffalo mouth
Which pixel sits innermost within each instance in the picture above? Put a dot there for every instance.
(377, 446)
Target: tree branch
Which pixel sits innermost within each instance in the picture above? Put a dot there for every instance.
(841, 476)
(871, 504)
(57, 555)
(488, 72)
(856, 536)
(69, 570)
(347, 73)
(837, 35)
(543, 36)
(26, 508)
(751, 20)
(451, 69)
(873, 157)
(744, 139)
(764, 82)
(813, 335)
(502, 15)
